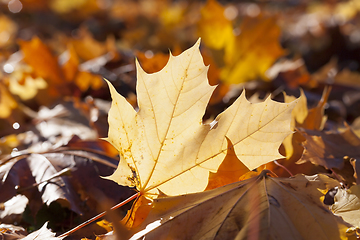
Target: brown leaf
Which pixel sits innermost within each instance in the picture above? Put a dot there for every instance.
(356, 165)
(315, 119)
(329, 149)
(68, 177)
(261, 208)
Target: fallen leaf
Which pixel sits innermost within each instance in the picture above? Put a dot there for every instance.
(69, 177)
(229, 171)
(356, 166)
(329, 149)
(41, 59)
(241, 56)
(28, 87)
(315, 119)
(11, 232)
(138, 212)
(292, 143)
(165, 147)
(242, 61)
(293, 72)
(8, 30)
(7, 102)
(155, 62)
(87, 47)
(72, 72)
(214, 28)
(347, 205)
(42, 234)
(12, 210)
(258, 208)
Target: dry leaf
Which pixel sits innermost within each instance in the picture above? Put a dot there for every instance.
(259, 208)
(292, 143)
(214, 28)
(246, 56)
(356, 166)
(42, 234)
(347, 205)
(164, 146)
(29, 88)
(329, 149)
(253, 54)
(70, 177)
(8, 29)
(315, 119)
(43, 62)
(7, 102)
(87, 47)
(230, 170)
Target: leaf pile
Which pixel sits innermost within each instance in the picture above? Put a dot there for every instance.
(252, 133)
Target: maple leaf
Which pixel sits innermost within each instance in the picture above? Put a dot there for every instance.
(164, 146)
(263, 207)
(247, 55)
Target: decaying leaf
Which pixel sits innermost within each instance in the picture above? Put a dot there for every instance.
(329, 149)
(42, 234)
(258, 208)
(68, 177)
(164, 146)
(347, 205)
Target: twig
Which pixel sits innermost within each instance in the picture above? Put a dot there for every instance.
(99, 216)
(64, 172)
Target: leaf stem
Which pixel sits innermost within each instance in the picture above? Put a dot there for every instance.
(283, 167)
(99, 216)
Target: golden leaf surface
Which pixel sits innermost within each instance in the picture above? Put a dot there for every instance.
(165, 146)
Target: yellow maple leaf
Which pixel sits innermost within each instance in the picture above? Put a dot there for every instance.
(247, 55)
(215, 29)
(166, 147)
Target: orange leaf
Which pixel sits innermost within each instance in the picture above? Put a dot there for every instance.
(230, 170)
(138, 212)
(43, 62)
(315, 119)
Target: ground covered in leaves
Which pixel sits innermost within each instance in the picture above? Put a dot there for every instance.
(203, 161)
